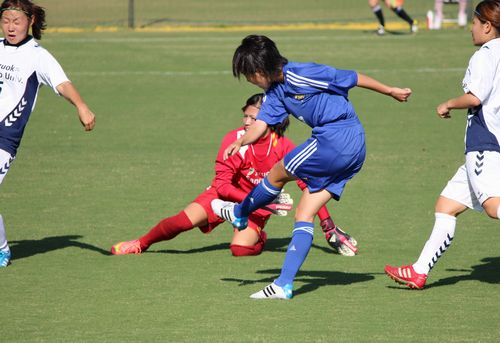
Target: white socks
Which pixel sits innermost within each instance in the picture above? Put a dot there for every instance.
(3, 237)
(440, 239)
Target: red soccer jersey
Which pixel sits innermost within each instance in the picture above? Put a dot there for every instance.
(240, 173)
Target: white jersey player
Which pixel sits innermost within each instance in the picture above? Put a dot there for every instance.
(24, 67)
(476, 184)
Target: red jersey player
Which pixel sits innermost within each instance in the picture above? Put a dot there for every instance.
(234, 179)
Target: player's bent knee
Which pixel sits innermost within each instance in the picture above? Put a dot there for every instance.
(493, 212)
(492, 207)
(242, 250)
(449, 206)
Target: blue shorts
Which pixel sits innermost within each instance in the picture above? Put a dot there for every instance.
(331, 157)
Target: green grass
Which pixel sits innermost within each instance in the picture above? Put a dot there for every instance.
(163, 102)
(91, 13)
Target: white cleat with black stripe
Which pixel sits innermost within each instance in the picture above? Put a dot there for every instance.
(273, 291)
(225, 210)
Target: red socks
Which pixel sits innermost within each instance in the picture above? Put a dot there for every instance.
(170, 227)
(166, 229)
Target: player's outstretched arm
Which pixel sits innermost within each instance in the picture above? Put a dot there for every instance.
(400, 94)
(69, 92)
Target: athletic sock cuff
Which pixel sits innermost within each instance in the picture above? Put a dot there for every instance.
(444, 216)
(303, 227)
(270, 188)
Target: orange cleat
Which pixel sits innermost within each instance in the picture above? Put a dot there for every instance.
(125, 248)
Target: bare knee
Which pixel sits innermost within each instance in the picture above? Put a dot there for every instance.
(249, 242)
(242, 250)
(492, 207)
(449, 206)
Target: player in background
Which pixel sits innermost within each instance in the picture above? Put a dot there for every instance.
(25, 66)
(462, 14)
(397, 7)
(318, 96)
(476, 184)
(234, 178)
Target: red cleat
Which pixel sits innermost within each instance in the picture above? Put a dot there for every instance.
(406, 275)
(129, 247)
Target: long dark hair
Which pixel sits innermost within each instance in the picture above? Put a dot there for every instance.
(256, 101)
(258, 54)
(32, 11)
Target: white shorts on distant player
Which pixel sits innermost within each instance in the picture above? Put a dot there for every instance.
(475, 181)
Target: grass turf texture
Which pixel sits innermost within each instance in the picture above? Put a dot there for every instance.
(163, 102)
(153, 13)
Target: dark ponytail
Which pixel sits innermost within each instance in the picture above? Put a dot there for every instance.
(39, 24)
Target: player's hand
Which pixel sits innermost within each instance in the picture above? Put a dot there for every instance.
(400, 94)
(443, 111)
(341, 242)
(232, 149)
(87, 118)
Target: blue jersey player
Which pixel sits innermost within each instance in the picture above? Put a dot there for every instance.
(318, 96)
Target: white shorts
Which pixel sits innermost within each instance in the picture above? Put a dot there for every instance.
(5, 162)
(476, 181)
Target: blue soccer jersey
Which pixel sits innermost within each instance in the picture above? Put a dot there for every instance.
(317, 95)
(313, 93)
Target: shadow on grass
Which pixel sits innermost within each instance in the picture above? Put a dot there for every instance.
(31, 247)
(312, 279)
(488, 271)
(272, 245)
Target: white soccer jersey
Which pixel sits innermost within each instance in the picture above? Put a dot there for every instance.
(23, 69)
(482, 79)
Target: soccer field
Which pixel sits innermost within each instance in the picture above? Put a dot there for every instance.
(163, 102)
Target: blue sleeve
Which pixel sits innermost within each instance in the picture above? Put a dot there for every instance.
(319, 76)
(343, 80)
(338, 80)
(273, 109)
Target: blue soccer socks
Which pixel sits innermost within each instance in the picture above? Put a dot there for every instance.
(296, 254)
(262, 194)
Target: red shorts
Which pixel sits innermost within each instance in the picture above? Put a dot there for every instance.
(256, 220)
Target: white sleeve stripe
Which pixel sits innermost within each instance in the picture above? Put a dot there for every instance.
(302, 84)
(298, 78)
